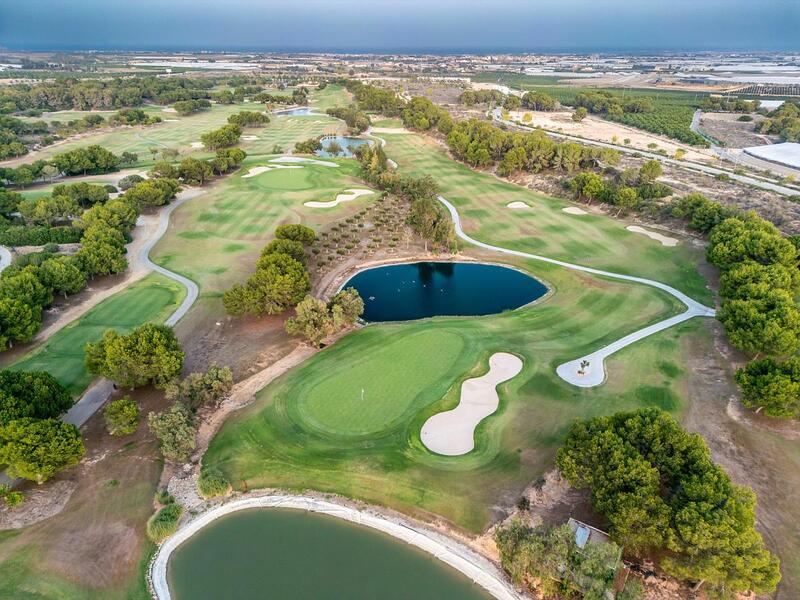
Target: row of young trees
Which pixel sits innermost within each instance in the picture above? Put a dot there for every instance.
(426, 216)
(281, 279)
(662, 494)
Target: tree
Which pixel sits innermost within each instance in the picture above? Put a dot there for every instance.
(579, 114)
(31, 394)
(286, 246)
(128, 158)
(247, 118)
(195, 172)
(149, 354)
(175, 430)
(312, 320)
(19, 321)
(346, 308)
(129, 181)
(650, 171)
(62, 275)
(626, 199)
(299, 233)
(227, 135)
(200, 389)
(161, 169)
(512, 102)
(38, 449)
(122, 416)
(154, 192)
(659, 489)
(766, 324)
(772, 386)
(538, 101)
(750, 279)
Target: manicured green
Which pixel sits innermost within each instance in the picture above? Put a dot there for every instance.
(152, 299)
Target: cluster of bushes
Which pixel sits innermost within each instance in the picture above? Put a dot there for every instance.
(316, 319)
(426, 216)
(422, 114)
(34, 443)
(281, 279)
(165, 522)
(11, 497)
(98, 94)
(625, 191)
(547, 561)
(662, 494)
(783, 121)
(248, 118)
(374, 99)
(602, 102)
(357, 120)
(538, 101)
(133, 116)
(473, 97)
(721, 104)
(224, 137)
(189, 107)
(481, 144)
(176, 427)
(298, 96)
(11, 144)
(309, 146)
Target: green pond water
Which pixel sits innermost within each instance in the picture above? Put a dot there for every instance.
(290, 554)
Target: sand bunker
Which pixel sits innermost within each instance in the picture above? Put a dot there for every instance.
(258, 170)
(665, 240)
(517, 204)
(574, 210)
(168, 109)
(172, 120)
(249, 138)
(452, 432)
(350, 194)
(396, 130)
(300, 159)
(197, 144)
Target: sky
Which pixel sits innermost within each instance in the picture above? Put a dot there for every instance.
(401, 25)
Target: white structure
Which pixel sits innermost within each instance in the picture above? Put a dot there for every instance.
(786, 154)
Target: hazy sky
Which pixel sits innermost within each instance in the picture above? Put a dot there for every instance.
(396, 25)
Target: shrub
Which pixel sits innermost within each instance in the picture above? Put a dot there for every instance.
(13, 498)
(212, 483)
(122, 416)
(164, 523)
(164, 497)
(129, 181)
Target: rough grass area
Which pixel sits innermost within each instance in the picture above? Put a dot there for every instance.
(151, 299)
(333, 95)
(311, 429)
(591, 240)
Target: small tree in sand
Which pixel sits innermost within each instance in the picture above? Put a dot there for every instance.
(579, 114)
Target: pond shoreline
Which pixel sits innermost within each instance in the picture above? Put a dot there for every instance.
(451, 552)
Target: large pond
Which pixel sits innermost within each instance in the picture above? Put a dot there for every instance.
(347, 144)
(296, 112)
(292, 555)
(427, 289)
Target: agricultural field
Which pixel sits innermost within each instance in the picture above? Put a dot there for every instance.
(590, 239)
(152, 299)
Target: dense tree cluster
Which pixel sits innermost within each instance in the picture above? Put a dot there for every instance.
(601, 102)
(298, 96)
(150, 354)
(316, 319)
(626, 190)
(661, 492)
(722, 104)
(473, 97)
(784, 121)
(771, 385)
(134, 116)
(224, 137)
(189, 107)
(422, 114)
(248, 118)
(374, 99)
(33, 442)
(426, 217)
(357, 120)
(546, 560)
(309, 146)
(481, 144)
(539, 101)
(280, 280)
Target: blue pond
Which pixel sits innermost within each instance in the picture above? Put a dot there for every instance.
(428, 289)
(346, 143)
(296, 112)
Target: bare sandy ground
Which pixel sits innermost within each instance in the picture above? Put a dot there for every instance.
(168, 109)
(665, 240)
(400, 130)
(350, 194)
(452, 433)
(197, 144)
(605, 131)
(258, 170)
(517, 204)
(574, 210)
(249, 138)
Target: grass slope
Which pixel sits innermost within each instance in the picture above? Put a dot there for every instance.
(152, 299)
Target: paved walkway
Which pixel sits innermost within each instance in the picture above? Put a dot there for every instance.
(576, 371)
(5, 258)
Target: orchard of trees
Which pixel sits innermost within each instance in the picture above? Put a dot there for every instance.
(662, 494)
(281, 279)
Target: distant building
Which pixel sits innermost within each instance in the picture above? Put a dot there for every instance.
(586, 533)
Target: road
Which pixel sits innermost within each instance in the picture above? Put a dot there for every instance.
(593, 374)
(683, 164)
